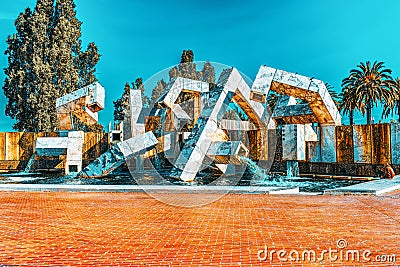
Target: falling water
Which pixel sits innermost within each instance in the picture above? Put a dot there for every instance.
(260, 176)
(254, 168)
(30, 163)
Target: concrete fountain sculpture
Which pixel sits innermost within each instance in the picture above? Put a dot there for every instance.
(198, 137)
(84, 104)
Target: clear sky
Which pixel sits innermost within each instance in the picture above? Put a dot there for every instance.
(318, 38)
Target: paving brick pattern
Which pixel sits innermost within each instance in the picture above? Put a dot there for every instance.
(133, 229)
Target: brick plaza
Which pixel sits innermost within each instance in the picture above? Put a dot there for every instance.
(134, 229)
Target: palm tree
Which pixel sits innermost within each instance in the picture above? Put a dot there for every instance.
(348, 104)
(335, 96)
(394, 106)
(368, 85)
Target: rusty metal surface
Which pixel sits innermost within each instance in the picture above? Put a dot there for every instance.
(362, 143)
(344, 144)
(16, 148)
(12, 147)
(313, 150)
(2, 146)
(381, 143)
(94, 145)
(255, 143)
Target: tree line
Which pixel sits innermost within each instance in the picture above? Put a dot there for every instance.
(367, 86)
(186, 68)
(46, 61)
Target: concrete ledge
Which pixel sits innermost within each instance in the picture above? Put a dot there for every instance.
(377, 187)
(150, 188)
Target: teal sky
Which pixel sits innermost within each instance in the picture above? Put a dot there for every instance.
(322, 39)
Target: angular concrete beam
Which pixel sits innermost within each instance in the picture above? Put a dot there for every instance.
(237, 125)
(178, 85)
(133, 127)
(83, 103)
(117, 155)
(262, 83)
(51, 146)
(137, 145)
(230, 86)
(294, 114)
(180, 116)
(309, 89)
(94, 95)
(227, 152)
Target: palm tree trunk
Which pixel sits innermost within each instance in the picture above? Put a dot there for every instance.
(351, 116)
(398, 109)
(369, 113)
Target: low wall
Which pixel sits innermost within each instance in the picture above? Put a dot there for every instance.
(16, 148)
(345, 169)
(358, 150)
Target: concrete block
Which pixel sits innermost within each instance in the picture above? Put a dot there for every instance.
(292, 79)
(314, 149)
(137, 145)
(179, 84)
(83, 103)
(309, 134)
(344, 145)
(395, 142)
(227, 152)
(74, 152)
(294, 114)
(328, 143)
(118, 154)
(362, 143)
(293, 142)
(51, 146)
(263, 80)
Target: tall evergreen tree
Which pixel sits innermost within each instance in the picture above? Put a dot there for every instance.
(187, 69)
(157, 91)
(65, 45)
(45, 62)
(121, 105)
(187, 56)
(17, 85)
(86, 64)
(208, 73)
(139, 85)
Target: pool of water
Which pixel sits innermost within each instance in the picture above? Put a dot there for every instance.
(152, 177)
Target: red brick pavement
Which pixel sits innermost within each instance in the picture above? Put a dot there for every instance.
(133, 229)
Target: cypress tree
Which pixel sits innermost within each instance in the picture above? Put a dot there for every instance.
(207, 74)
(121, 105)
(157, 91)
(45, 61)
(17, 85)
